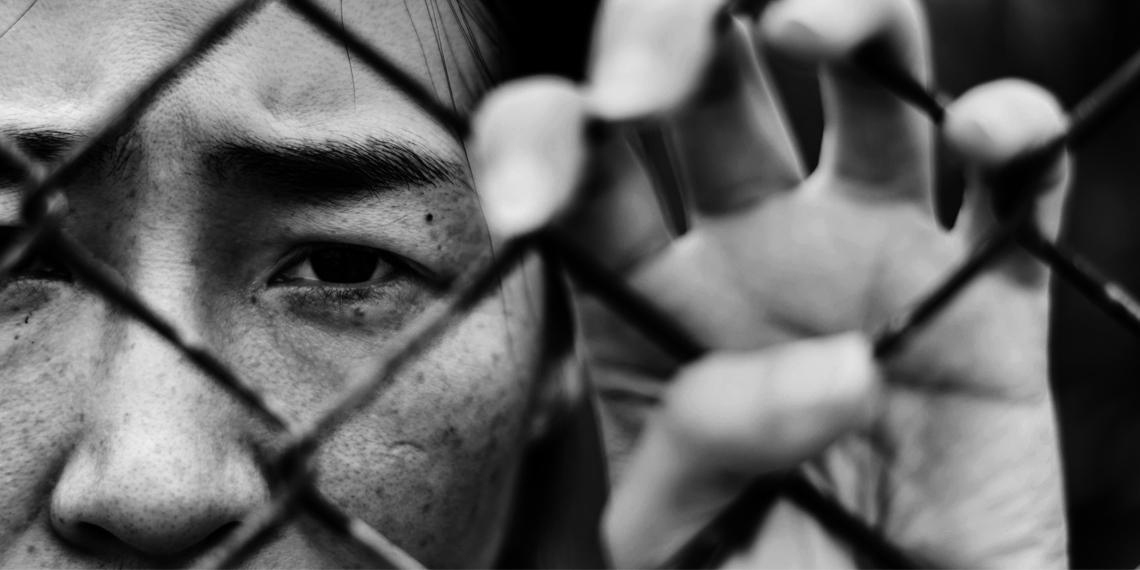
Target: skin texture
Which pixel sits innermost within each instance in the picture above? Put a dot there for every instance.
(117, 451)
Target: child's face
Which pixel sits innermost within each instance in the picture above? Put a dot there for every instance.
(293, 211)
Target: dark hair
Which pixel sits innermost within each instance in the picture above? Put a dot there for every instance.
(563, 483)
(545, 36)
(512, 38)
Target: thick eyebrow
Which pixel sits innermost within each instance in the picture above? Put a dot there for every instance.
(45, 145)
(331, 171)
(41, 145)
(49, 146)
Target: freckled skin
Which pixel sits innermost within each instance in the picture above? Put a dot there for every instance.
(105, 427)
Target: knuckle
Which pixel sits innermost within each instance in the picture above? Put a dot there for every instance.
(718, 405)
(649, 55)
(769, 409)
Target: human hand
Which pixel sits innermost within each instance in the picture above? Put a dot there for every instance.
(949, 448)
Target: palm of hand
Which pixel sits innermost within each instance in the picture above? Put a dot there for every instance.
(965, 423)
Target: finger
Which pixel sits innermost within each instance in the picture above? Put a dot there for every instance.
(648, 55)
(728, 419)
(533, 162)
(874, 144)
(528, 153)
(735, 146)
(994, 127)
(618, 217)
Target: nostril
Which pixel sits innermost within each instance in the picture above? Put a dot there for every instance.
(97, 540)
(219, 535)
(90, 537)
(154, 521)
(151, 504)
(152, 490)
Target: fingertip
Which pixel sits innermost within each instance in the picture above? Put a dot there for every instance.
(1009, 133)
(528, 152)
(824, 30)
(632, 83)
(999, 121)
(649, 55)
(830, 385)
(858, 388)
(727, 419)
(770, 409)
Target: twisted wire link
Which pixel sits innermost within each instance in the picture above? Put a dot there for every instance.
(44, 206)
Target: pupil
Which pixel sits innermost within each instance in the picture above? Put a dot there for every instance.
(344, 265)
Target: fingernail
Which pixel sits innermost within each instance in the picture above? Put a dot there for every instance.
(856, 382)
(824, 29)
(527, 154)
(972, 137)
(628, 84)
(799, 38)
(520, 195)
(997, 121)
(653, 59)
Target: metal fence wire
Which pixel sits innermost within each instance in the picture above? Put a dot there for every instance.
(44, 204)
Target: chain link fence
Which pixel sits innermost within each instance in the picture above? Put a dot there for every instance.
(44, 205)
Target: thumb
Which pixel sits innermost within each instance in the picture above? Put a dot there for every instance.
(993, 126)
(726, 420)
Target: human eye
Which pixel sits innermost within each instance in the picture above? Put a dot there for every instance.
(334, 273)
(335, 265)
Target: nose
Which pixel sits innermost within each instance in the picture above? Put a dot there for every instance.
(155, 496)
(161, 469)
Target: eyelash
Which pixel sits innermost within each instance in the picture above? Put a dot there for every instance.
(391, 266)
(41, 270)
(395, 285)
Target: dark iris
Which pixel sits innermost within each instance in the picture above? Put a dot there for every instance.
(344, 264)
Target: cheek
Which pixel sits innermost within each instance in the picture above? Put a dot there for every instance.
(40, 381)
(433, 474)
(432, 462)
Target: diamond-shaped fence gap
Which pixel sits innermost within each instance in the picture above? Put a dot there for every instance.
(129, 111)
(111, 287)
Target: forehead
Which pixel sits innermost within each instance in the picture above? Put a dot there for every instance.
(68, 61)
